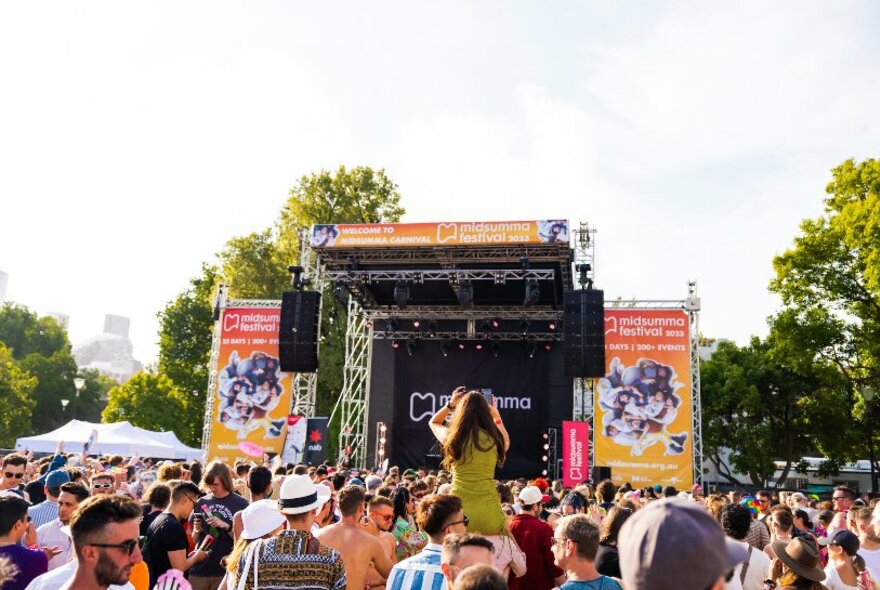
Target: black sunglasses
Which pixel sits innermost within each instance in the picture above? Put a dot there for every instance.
(15, 475)
(463, 521)
(127, 546)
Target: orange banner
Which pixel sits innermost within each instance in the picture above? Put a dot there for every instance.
(471, 233)
(253, 395)
(643, 407)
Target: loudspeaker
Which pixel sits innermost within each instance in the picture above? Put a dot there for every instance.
(584, 333)
(600, 473)
(298, 336)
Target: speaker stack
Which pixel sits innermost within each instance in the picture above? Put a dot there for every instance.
(584, 333)
(298, 337)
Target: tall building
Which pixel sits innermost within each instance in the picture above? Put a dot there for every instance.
(111, 352)
(4, 281)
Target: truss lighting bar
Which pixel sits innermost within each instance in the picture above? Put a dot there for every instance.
(428, 312)
(373, 276)
(502, 337)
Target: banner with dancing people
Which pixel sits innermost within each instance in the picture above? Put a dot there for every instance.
(253, 395)
(643, 407)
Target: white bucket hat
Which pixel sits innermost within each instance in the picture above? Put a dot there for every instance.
(260, 518)
(299, 494)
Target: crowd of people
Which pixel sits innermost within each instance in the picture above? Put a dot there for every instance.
(71, 521)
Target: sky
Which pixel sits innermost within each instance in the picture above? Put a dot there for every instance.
(137, 138)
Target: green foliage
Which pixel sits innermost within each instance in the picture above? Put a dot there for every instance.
(830, 284)
(148, 400)
(16, 387)
(91, 400)
(40, 347)
(185, 348)
(255, 267)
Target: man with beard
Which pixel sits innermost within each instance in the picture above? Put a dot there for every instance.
(378, 524)
(105, 537)
(867, 520)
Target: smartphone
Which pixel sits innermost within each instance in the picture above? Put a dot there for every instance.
(487, 393)
(206, 543)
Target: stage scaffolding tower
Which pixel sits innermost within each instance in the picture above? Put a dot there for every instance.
(354, 400)
(305, 385)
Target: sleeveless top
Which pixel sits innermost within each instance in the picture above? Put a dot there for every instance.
(473, 480)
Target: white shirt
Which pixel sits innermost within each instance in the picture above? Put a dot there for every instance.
(872, 561)
(50, 535)
(759, 567)
(62, 576)
(832, 580)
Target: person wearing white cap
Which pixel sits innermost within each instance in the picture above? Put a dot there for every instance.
(535, 539)
(260, 520)
(294, 558)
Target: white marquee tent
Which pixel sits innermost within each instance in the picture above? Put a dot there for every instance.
(117, 438)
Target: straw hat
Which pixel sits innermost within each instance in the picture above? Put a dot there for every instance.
(299, 494)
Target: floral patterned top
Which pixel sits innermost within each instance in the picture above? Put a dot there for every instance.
(408, 540)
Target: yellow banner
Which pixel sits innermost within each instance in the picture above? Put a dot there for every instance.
(643, 407)
(471, 233)
(253, 395)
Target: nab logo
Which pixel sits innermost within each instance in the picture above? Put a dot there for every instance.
(613, 322)
(231, 321)
(447, 232)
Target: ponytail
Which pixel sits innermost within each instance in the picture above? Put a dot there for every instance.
(858, 563)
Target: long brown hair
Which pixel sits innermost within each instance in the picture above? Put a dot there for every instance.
(472, 415)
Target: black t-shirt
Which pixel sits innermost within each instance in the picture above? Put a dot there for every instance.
(165, 534)
(607, 561)
(224, 509)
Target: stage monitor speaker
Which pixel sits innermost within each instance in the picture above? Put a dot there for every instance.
(600, 473)
(584, 333)
(298, 336)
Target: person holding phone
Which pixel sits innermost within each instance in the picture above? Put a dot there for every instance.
(473, 444)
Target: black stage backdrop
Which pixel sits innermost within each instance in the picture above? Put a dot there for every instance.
(424, 381)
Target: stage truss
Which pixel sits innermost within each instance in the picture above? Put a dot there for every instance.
(584, 388)
(304, 386)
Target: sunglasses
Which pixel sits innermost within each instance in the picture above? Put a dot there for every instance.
(102, 486)
(463, 521)
(127, 546)
(835, 498)
(384, 516)
(11, 475)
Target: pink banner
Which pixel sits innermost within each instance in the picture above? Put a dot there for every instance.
(575, 453)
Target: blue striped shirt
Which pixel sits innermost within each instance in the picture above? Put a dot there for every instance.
(419, 572)
(43, 513)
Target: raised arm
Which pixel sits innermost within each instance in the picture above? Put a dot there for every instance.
(496, 416)
(437, 427)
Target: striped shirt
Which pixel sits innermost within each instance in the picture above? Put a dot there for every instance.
(419, 572)
(43, 513)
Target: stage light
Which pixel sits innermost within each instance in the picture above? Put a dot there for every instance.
(432, 329)
(466, 294)
(479, 346)
(496, 349)
(444, 348)
(495, 324)
(531, 349)
(461, 345)
(546, 436)
(395, 344)
(401, 294)
(533, 292)
(369, 325)
(410, 347)
(524, 325)
(548, 347)
(546, 447)
(544, 473)
(552, 325)
(416, 324)
(382, 427)
(544, 458)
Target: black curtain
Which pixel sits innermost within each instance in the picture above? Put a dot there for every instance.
(425, 380)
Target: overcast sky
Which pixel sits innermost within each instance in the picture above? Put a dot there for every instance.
(136, 139)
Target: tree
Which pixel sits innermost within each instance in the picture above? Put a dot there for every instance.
(147, 400)
(92, 398)
(185, 348)
(754, 406)
(16, 387)
(41, 348)
(830, 284)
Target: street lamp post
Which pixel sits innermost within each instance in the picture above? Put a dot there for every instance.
(64, 403)
(79, 383)
(868, 394)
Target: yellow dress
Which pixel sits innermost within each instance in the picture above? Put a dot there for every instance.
(473, 480)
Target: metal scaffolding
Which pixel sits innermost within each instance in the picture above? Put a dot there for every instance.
(354, 400)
